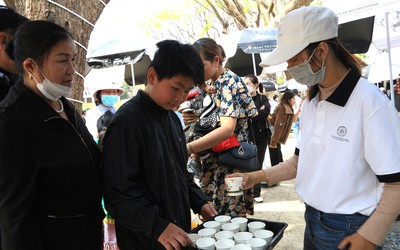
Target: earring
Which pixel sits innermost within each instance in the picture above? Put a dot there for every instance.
(217, 69)
(30, 76)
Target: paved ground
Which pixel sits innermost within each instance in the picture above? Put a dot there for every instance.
(282, 204)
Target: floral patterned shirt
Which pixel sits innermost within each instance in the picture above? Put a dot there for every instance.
(233, 100)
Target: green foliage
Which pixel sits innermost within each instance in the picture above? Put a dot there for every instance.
(281, 79)
(128, 91)
(317, 2)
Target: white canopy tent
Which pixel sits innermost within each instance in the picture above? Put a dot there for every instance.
(386, 32)
(116, 40)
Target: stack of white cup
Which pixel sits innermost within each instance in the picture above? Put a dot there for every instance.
(234, 234)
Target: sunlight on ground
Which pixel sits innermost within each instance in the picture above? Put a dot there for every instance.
(280, 206)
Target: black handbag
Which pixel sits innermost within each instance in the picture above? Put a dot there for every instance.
(243, 157)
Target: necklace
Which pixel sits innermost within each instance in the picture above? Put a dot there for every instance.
(61, 107)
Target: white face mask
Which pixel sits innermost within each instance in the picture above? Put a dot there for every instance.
(51, 90)
(303, 73)
(250, 89)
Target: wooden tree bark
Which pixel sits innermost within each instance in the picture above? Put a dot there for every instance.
(264, 13)
(80, 25)
(270, 11)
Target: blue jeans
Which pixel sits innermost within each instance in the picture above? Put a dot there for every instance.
(325, 231)
(296, 128)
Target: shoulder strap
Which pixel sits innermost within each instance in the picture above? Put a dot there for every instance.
(251, 132)
(262, 98)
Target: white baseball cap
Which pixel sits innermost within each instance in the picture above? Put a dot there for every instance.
(108, 85)
(298, 29)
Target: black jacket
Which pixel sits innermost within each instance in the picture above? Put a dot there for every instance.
(6, 81)
(147, 185)
(260, 126)
(50, 196)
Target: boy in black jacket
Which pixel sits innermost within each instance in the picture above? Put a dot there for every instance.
(148, 190)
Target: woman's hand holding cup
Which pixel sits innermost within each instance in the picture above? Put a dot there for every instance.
(249, 179)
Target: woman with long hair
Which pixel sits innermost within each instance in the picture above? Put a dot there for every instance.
(282, 120)
(234, 106)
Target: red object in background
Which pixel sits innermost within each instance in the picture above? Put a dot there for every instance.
(192, 95)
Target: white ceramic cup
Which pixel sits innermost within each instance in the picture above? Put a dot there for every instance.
(224, 244)
(256, 243)
(205, 244)
(241, 237)
(234, 184)
(223, 219)
(266, 235)
(224, 235)
(194, 237)
(255, 226)
(207, 232)
(241, 247)
(233, 227)
(242, 223)
(212, 224)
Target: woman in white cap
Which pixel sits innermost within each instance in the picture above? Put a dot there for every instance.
(105, 96)
(347, 163)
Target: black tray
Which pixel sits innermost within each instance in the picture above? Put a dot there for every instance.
(276, 227)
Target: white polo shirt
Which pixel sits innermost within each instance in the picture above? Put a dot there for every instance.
(349, 145)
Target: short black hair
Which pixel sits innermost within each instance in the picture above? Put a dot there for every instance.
(10, 20)
(174, 58)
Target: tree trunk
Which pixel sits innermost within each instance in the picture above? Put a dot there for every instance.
(78, 17)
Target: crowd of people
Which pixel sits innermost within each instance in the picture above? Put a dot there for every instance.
(56, 169)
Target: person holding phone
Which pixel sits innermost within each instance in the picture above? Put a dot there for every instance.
(233, 108)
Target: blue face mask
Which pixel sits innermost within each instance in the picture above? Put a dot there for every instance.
(109, 100)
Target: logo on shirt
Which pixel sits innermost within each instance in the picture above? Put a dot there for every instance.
(341, 133)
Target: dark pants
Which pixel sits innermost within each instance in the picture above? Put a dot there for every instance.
(261, 148)
(275, 155)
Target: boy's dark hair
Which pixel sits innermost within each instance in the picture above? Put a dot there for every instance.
(174, 58)
(35, 39)
(10, 20)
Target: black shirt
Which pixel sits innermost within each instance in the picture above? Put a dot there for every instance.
(260, 126)
(6, 82)
(147, 185)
